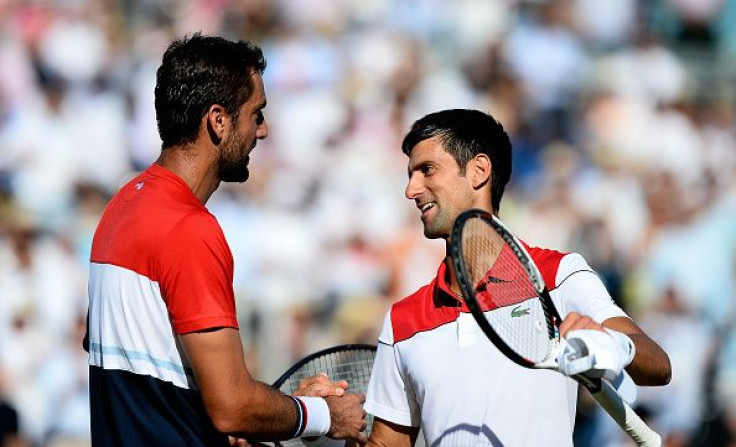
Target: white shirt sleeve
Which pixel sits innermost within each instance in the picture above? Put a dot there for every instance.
(579, 289)
(389, 397)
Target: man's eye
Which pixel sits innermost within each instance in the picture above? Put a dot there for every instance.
(260, 118)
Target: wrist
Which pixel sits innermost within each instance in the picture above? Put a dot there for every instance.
(316, 416)
(626, 345)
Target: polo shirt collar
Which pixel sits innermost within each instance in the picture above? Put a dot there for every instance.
(443, 296)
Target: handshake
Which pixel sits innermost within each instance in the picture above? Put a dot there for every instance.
(333, 417)
(347, 419)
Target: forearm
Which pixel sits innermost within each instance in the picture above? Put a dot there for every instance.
(651, 365)
(256, 412)
(388, 434)
(377, 442)
(236, 403)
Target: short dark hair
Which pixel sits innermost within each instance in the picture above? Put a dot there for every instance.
(195, 73)
(465, 134)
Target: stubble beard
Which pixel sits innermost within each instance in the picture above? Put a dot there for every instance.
(232, 167)
(436, 228)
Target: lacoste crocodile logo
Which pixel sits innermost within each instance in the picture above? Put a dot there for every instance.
(517, 312)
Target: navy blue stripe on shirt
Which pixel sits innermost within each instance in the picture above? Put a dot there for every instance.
(128, 409)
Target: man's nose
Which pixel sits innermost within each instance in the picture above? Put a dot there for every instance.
(413, 188)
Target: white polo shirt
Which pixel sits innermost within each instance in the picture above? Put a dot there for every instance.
(435, 369)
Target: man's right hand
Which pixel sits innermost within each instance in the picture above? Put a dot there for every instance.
(347, 417)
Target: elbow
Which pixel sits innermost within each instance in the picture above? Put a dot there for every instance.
(232, 426)
(658, 375)
(660, 378)
(225, 424)
(230, 419)
(666, 376)
(664, 372)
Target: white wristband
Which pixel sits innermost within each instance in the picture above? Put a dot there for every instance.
(628, 348)
(317, 417)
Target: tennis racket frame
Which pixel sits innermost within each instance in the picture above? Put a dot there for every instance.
(331, 350)
(603, 392)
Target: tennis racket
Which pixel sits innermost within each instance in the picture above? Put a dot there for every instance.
(353, 362)
(496, 273)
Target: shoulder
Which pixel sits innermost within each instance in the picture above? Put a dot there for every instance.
(196, 236)
(198, 225)
(418, 313)
(556, 266)
(412, 304)
(548, 262)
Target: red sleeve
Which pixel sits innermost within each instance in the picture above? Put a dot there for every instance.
(196, 276)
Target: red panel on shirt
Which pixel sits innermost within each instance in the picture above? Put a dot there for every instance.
(157, 228)
(548, 262)
(421, 312)
(196, 274)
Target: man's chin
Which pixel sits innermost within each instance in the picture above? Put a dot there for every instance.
(238, 176)
(429, 233)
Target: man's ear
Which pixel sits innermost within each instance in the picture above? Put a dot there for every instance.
(217, 121)
(479, 170)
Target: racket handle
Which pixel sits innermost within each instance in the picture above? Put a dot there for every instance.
(625, 416)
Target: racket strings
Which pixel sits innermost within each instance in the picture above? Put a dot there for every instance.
(504, 291)
(355, 366)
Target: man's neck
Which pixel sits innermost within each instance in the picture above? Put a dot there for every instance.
(451, 278)
(194, 167)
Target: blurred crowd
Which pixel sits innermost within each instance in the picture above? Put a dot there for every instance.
(622, 114)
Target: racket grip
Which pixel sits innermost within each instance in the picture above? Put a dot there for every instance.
(625, 416)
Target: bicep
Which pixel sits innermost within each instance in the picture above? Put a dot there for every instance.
(194, 270)
(216, 356)
(388, 434)
(235, 402)
(390, 396)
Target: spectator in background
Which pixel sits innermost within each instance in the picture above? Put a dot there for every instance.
(10, 435)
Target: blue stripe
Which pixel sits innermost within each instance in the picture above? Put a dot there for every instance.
(135, 355)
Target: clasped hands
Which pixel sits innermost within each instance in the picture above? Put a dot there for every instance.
(346, 413)
(341, 404)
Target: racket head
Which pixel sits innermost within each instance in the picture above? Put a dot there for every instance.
(495, 272)
(351, 362)
(504, 289)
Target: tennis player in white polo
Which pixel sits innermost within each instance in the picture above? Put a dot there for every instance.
(435, 369)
